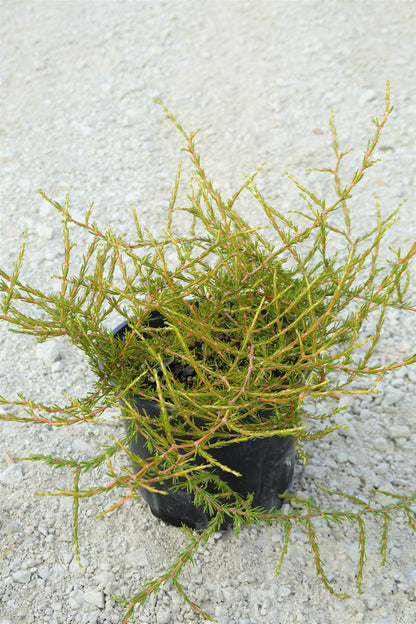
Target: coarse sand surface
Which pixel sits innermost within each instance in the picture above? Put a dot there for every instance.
(78, 117)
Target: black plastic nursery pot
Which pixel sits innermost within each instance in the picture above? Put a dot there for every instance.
(266, 466)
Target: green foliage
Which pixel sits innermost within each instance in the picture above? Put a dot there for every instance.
(256, 321)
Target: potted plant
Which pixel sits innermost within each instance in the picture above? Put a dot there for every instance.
(229, 333)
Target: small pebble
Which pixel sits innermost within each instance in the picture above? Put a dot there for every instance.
(221, 611)
(342, 457)
(49, 351)
(381, 444)
(75, 568)
(76, 599)
(44, 572)
(22, 576)
(44, 231)
(164, 617)
(410, 576)
(368, 95)
(136, 557)
(399, 431)
(95, 598)
(12, 475)
(392, 396)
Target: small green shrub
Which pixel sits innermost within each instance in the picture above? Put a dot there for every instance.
(253, 317)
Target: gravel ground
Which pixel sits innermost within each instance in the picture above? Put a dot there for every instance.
(78, 117)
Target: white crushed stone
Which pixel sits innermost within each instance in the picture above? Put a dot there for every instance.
(95, 598)
(136, 557)
(49, 351)
(77, 116)
(22, 576)
(12, 475)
